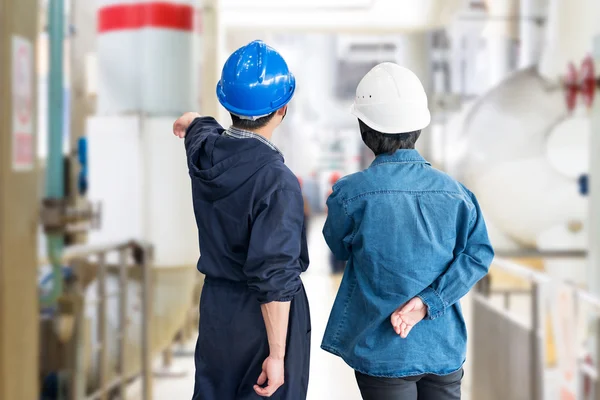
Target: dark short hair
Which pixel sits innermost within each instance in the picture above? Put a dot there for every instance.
(387, 143)
(248, 124)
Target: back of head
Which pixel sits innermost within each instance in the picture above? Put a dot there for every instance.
(391, 105)
(255, 83)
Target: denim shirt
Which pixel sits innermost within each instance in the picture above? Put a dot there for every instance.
(406, 230)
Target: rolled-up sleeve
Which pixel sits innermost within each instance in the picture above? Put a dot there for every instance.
(274, 264)
(469, 266)
(338, 227)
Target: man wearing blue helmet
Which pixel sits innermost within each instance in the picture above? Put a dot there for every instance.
(254, 334)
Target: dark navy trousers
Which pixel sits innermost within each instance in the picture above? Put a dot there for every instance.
(232, 344)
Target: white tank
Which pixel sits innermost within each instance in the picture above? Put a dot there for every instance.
(525, 150)
(525, 154)
(146, 56)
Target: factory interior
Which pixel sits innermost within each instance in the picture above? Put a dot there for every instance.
(99, 289)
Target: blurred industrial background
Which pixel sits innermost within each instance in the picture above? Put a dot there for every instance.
(98, 245)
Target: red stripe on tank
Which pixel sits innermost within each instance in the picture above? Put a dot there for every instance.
(157, 15)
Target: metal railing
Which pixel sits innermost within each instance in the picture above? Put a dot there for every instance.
(509, 357)
(131, 255)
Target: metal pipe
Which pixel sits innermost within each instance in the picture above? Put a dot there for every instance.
(80, 252)
(594, 186)
(596, 386)
(532, 253)
(123, 321)
(521, 271)
(102, 327)
(146, 329)
(593, 273)
(531, 21)
(414, 52)
(54, 167)
(537, 337)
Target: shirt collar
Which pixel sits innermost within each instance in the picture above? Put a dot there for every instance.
(238, 133)
(401, 157)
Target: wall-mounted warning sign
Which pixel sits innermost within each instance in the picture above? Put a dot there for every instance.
(23, 156)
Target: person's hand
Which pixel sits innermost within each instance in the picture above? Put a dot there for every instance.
(272, 375)
(180, 126)
(407, 316)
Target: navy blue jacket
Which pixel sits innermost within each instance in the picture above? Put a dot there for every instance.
(250, 216)
(249, 211)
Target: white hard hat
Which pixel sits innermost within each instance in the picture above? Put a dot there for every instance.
(391, 99)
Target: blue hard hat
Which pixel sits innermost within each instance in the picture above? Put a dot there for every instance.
(255, 81)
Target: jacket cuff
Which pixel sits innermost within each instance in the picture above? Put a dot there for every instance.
(436, 306)
(264, 299)
(278, 296)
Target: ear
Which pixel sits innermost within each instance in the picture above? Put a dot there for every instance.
(281, 112)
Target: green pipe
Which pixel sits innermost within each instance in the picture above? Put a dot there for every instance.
(55, 188)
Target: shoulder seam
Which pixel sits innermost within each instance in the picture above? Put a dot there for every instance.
(410, 192)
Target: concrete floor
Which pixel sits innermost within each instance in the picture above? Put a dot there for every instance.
(330, 377)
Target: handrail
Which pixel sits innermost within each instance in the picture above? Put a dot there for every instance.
(142, 256)
(534, 253)
(77, 252)
(543, 287)
(521, 271)
(540, 277)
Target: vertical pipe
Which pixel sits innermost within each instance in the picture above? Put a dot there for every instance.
(77, 368)
(536, 343)
(500, 34)
(54, 167)
(596, 354)
(594, 189)
(213, 42)
(531, 13)
(593, 265)
(102, 326)
(414, 53)
(123, 321)
(146, 330)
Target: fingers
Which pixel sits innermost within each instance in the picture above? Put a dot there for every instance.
(262, 379)
(178, 129)
(402, 324)
(395, 318)
(406, 331)
(399, 323)
(397, 328)
(267, 391)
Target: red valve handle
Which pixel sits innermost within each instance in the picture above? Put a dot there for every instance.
(583, 82)
(587, 77)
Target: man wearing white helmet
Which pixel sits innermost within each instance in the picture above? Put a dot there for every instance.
(415, 242)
